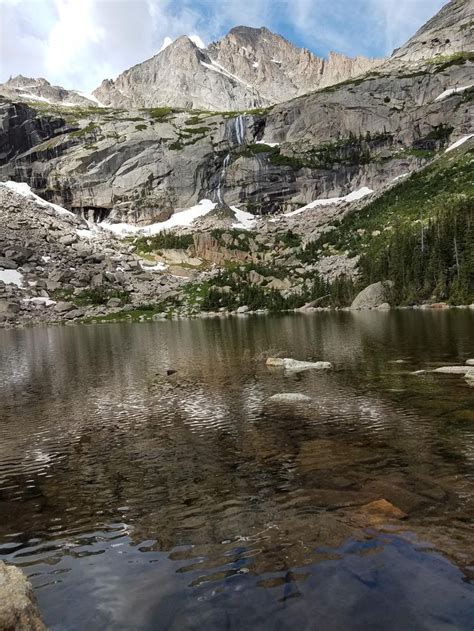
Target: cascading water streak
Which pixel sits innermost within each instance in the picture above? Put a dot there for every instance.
(239, 126)
(225, 164)
(238, 134)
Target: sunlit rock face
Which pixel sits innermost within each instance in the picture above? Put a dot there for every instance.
(249, 67)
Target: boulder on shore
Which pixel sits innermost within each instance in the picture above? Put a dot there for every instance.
(295, 365)
(374, 296)
(18, 608)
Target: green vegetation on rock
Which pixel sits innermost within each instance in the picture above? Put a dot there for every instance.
(456, 59)
(163, 241)
(419, 233)
(159, 113)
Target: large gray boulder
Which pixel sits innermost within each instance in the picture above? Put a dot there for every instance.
(18, 608)
(373, 296)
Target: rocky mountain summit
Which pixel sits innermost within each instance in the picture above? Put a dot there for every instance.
(247, 68)
(28, 89)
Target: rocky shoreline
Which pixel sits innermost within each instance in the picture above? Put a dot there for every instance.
(111, 315)
(18, 608)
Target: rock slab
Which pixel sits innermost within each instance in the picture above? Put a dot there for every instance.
(18, 608)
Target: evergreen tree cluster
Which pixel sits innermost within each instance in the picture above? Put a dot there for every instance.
(429, 261)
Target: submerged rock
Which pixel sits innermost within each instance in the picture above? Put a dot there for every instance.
(435, 305)
(290, 397)
(374, 296)
(469, 362)
(18, 608)
(454, 370)
(295, 365)
(469, 377)
(379, 511)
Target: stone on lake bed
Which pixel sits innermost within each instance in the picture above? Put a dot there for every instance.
(469, 362)
(295, 365)
(381, 510)
(289, 397)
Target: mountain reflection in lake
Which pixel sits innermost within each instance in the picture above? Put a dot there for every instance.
(138, 500)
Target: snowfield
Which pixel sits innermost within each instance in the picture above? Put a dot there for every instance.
(459, 142)
(11, 277)
(182, 218)
(23, 189)
(451, 91)
(245, 220)
(352, 197)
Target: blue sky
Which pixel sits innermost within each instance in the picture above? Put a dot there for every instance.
(77, 43)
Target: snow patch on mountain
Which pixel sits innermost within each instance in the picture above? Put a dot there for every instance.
(166, 42)
(245, 220)
(451, 91)
(23, 189)
(459, 142)
(197, 40)
(179, 219)
(11, 277)
(352, 197)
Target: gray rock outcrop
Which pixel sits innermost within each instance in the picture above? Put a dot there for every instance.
(140, 166)
(18, 608)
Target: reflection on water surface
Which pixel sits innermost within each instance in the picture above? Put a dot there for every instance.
(137, 500)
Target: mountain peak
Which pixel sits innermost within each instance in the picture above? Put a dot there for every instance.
(249, 67)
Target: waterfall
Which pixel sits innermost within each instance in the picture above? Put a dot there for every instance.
(239, 129)
(238, 138)
(225, 164)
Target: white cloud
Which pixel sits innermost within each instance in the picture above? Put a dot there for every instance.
(166, 42)
(397, 20)
(71, 37)
(77, 43)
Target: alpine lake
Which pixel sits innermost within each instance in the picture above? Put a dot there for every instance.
(148, 483)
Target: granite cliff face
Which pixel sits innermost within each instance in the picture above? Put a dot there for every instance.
(247, 68)
(448, 32)
(141, 165)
